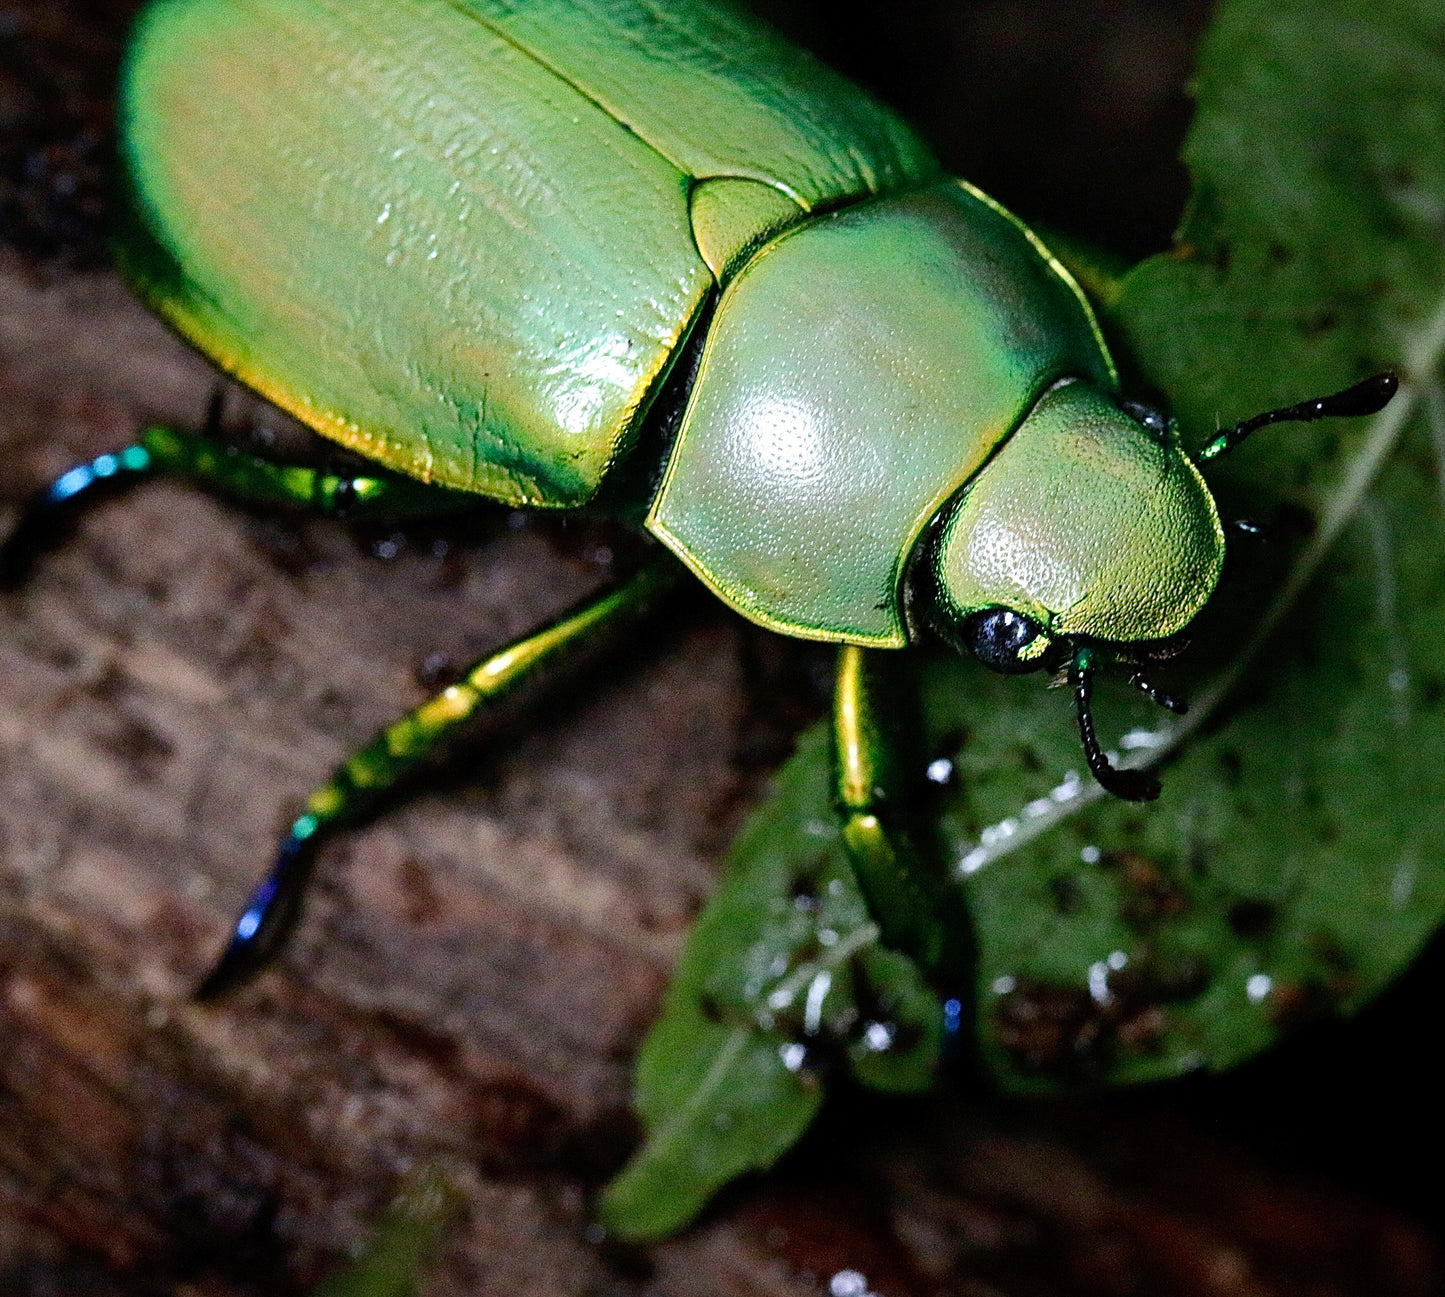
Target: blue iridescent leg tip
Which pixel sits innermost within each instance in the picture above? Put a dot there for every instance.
(266, 921)
(48, 511)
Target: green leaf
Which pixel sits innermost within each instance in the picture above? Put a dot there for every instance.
(782, 978)
(1291, 868)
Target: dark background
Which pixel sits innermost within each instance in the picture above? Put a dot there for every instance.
(1073, 113)
(1312, 1171)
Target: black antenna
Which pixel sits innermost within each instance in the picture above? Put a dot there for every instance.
(1131, 785)
(1156, 695)
(1368, 397)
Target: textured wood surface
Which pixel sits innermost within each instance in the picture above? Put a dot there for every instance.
(477, 965)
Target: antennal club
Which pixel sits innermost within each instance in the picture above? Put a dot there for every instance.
(1369, 397)
(1131, 785)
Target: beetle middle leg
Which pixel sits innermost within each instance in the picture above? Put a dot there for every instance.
(402, 747)
(914, 906)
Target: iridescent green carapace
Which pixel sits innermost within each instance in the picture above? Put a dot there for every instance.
(458, 237)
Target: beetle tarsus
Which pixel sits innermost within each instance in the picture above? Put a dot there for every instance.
(266, 921)
(1131, 785)
(47, 512)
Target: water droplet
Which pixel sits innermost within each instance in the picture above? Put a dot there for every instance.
(1091, 855)
(1099, 984)
(999, 832)
(1069, 789)
(1258, 986)
(940, 770)
(1003, 985)
(794, 1054)
(1118, 960)
(818, 990)
(848, 1283)
(878, 1036)
(1136, 739)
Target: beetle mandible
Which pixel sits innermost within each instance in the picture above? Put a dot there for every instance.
(648, 259)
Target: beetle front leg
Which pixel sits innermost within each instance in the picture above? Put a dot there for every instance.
(239, 475)
(916, 910)
(400, 749)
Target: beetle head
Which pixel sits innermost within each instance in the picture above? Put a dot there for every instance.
(1087, 536)
(1089, 531)
(1088, 521)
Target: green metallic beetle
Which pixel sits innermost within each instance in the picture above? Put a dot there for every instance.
(643, 257)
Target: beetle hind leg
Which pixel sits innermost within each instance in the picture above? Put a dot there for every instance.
(399, 750)
(242, 476)
(45, 515)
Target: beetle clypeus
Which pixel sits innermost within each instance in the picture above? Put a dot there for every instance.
(649, 260)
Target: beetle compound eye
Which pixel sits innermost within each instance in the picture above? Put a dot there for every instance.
(1153, 421)
(1005, 640)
